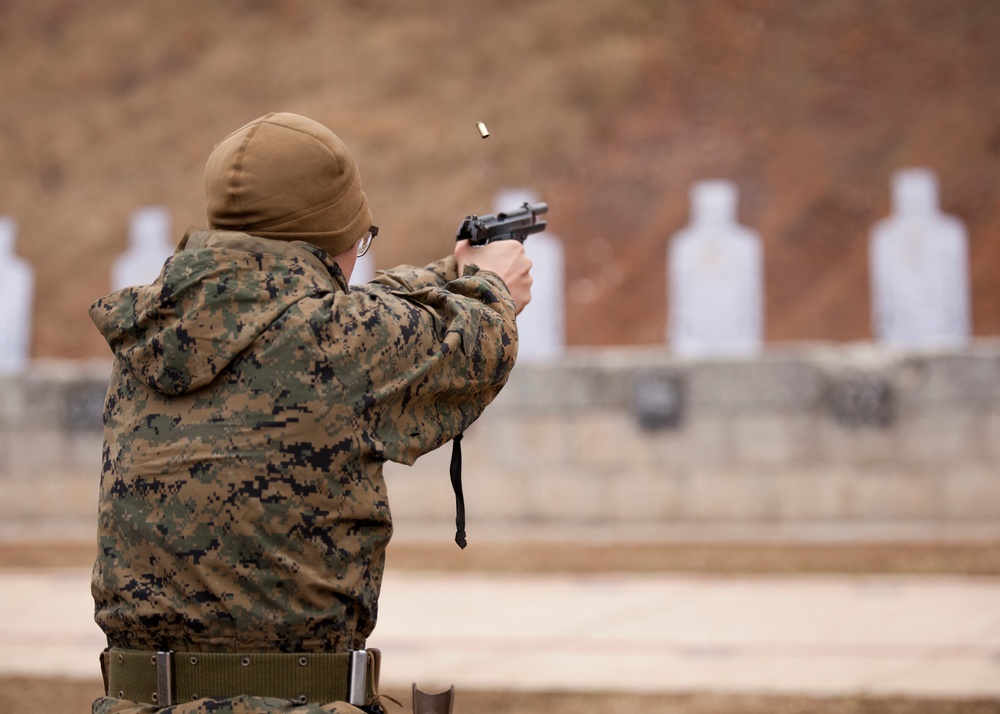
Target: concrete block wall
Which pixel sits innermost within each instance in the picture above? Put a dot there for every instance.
(806, 434)
(801, 435)
(50, 448)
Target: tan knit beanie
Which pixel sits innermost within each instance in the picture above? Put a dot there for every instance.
(287, 177)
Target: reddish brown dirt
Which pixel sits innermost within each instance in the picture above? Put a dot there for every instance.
(610, 108)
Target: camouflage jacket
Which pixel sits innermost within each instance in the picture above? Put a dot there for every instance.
(253, 402)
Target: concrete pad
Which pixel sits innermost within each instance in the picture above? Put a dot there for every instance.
(49, 628)
(821, 636)
(817, 636)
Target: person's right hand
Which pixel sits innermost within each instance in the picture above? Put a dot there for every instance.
(507, 259)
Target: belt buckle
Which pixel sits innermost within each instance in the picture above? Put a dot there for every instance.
(357, 678)
(164, 679)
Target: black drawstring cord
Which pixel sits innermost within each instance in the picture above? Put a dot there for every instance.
(456, 485)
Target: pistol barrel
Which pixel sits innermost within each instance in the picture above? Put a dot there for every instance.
(507, 225)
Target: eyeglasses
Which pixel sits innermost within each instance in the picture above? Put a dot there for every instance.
(366, 240)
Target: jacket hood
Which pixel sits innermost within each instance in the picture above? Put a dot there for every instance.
(216, 295)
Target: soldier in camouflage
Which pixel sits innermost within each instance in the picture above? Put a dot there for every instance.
(254, 399)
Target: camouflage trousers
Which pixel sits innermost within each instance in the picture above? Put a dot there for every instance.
(237, 705)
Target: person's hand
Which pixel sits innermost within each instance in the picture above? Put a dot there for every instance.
(507, 259)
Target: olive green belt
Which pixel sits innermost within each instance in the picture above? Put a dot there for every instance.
(166, 678)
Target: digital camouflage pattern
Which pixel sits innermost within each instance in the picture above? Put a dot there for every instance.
(254, 399)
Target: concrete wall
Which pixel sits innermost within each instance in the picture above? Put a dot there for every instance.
(847, 435)
(50, 448)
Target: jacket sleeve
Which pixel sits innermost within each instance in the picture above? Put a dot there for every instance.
(422, 352)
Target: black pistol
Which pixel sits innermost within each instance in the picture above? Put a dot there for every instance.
(512, 225)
